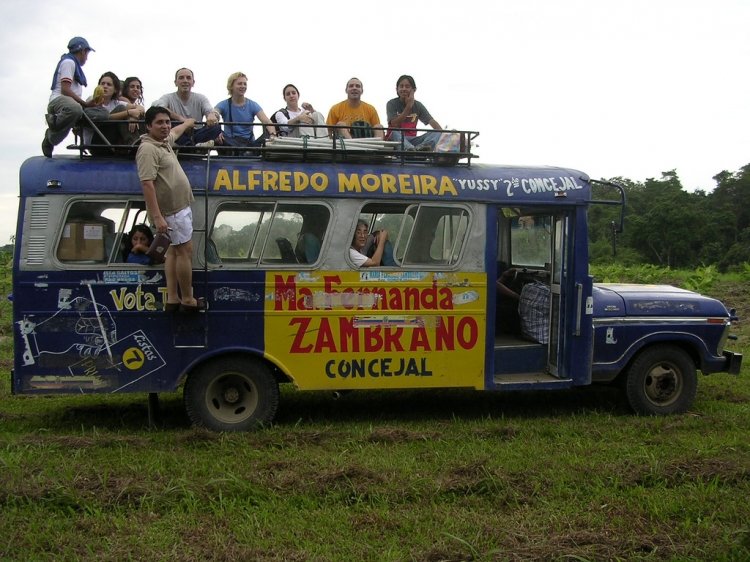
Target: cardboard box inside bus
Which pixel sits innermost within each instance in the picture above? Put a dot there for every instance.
(82, 240)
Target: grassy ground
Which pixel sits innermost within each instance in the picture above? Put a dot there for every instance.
(424, 476)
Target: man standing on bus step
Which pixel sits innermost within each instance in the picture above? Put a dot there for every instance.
(353, 111)
(185, 104)
(66, 105)
(167, 192)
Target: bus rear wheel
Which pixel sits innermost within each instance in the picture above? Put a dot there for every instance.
(231, 394)
(662, 380)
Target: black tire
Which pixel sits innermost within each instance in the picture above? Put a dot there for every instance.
(662, 380)
(231, 394)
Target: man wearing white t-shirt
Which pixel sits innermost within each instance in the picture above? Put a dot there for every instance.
(66, 102)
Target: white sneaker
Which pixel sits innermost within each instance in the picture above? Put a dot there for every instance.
(207, 144)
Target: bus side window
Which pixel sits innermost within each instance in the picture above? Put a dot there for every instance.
(422, 233)
(530, 240)
(315, 219)
(269, 233)
(134, 214)
(88, 233)
(305, 224)
(236, 231)
(438, 235)
(392, 217)
(286, 250)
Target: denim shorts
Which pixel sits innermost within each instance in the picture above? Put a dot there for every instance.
(180, 226)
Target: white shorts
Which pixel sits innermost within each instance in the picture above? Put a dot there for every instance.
(180, 226)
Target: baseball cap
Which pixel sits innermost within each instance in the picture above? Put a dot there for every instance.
(78, 44)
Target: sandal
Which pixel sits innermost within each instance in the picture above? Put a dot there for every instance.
(171, 306)
(200, 306)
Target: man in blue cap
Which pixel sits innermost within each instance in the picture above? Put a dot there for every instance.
(65, 103)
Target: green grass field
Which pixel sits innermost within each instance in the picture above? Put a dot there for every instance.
(424, 476)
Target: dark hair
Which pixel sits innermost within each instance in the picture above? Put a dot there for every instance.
(126, 85)
(359, 222)
(153, 111)
(128, 242)
(184, 68)
(283, 92)
(406, 77)
(115, 83)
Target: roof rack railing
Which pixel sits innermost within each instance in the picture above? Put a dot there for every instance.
(452, 148)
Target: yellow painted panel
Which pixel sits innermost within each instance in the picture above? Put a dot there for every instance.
(375, 329)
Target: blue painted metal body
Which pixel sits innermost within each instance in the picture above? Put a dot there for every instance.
(98, 315)
(629, 318)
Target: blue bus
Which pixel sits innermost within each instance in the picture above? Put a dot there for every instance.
(287, 304)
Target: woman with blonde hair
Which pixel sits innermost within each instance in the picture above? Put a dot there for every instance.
(239, 113)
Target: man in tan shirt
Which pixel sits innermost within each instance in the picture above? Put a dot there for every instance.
(168, 196)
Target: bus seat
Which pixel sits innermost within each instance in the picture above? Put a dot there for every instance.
(212, 254)
(286, 250)
(307, 249)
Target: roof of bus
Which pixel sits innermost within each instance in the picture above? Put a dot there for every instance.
(514, 185)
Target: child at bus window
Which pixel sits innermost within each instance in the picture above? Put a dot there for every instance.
(137, 243)
(357, 251)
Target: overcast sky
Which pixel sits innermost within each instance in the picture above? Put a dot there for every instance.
(626, 88)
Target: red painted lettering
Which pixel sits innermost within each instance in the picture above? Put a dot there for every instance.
(349, 335)
(467, 333)
(373, 339)
(297, 346)
(419, 340)
(393, 339)
(284, 291)
(325, 340)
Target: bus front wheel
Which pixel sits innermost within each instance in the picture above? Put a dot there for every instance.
(662, 380)
(231, 394)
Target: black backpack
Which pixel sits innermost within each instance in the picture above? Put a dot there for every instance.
(361, 130)
(283, 110)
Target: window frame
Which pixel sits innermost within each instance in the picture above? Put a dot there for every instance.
(372, 212)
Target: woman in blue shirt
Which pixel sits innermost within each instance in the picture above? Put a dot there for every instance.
(242, 111)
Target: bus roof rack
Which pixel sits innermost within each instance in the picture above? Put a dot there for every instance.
(453, 149)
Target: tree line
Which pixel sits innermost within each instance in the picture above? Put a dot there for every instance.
(670, 227)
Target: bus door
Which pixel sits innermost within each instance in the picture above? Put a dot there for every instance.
(531, 262)
(559, 259)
